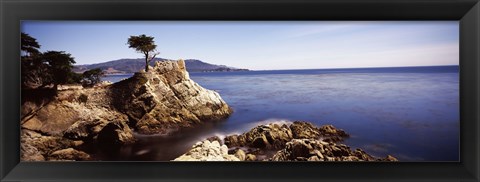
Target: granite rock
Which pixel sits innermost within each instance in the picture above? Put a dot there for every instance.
(208, 151)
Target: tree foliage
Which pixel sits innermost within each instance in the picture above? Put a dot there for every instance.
(74, 78)
(29, 44)
(51, 68)
(33, 70)
(92, 77)
(145, 45)
(42, 69)
(60, 66)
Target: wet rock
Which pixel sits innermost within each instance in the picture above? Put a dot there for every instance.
(296, 150)
(85, 130)
(235, 140)
(208, 151)
(332, 134)
(115, 134)
(313, 158)
(259, 142)
(304, 130)
(215, 138)
(339, 151)
(300, 141)
(69, 154)
(274, 136)
(299, 148)
(390, 158)
(250, 157)
(316, 150)
(362, 155)
(240, 154)
(332, 139)
(350, 158)
(271, 136)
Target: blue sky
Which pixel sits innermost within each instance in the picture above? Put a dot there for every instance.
(260, 45)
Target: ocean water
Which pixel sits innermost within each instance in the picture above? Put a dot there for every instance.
(411, 113)
(116, 78)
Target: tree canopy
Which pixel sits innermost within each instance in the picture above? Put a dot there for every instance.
(33, 70)
(51, 68)
(42, 69)
(29, 44)
(144, 44)
(60, 66)
(92, 77)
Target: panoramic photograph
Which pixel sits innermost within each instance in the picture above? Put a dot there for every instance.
(264, 91)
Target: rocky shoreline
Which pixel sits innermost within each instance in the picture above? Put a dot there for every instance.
(297, 141)
(161, 101)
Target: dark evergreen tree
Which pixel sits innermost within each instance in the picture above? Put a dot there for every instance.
(144, 44)
(32, 67)
(92, 77)
(60, 66)
(29, 45)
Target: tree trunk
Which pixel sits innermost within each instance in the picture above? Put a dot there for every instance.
(146, 65)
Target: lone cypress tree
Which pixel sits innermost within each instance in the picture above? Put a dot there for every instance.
(144, 44)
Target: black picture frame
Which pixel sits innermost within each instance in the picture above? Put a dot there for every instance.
(12, 12)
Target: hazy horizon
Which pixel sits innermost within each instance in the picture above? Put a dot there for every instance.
(260, 45)
(289, 69)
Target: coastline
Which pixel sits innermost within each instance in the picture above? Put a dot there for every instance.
(86, 132)
(160, 101)
(93, 117)
(292, 141)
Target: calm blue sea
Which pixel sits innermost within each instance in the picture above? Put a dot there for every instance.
(117, 77)
(411, 113)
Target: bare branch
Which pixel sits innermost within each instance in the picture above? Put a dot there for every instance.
(154, 55)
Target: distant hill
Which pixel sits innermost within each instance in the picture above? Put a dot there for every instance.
(123, 66)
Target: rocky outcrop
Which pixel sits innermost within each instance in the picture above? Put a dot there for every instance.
(116, 133)
(37, 147)
(69, 154)
(298, 141)
(162, 100)
(166, 99)
(316, 150)
(264, 136)
(275, 136)
(208, 151)
(73, 115)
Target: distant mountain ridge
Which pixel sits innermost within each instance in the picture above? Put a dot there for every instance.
(123, 66)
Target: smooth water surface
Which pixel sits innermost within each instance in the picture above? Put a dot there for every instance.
(116, 78)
